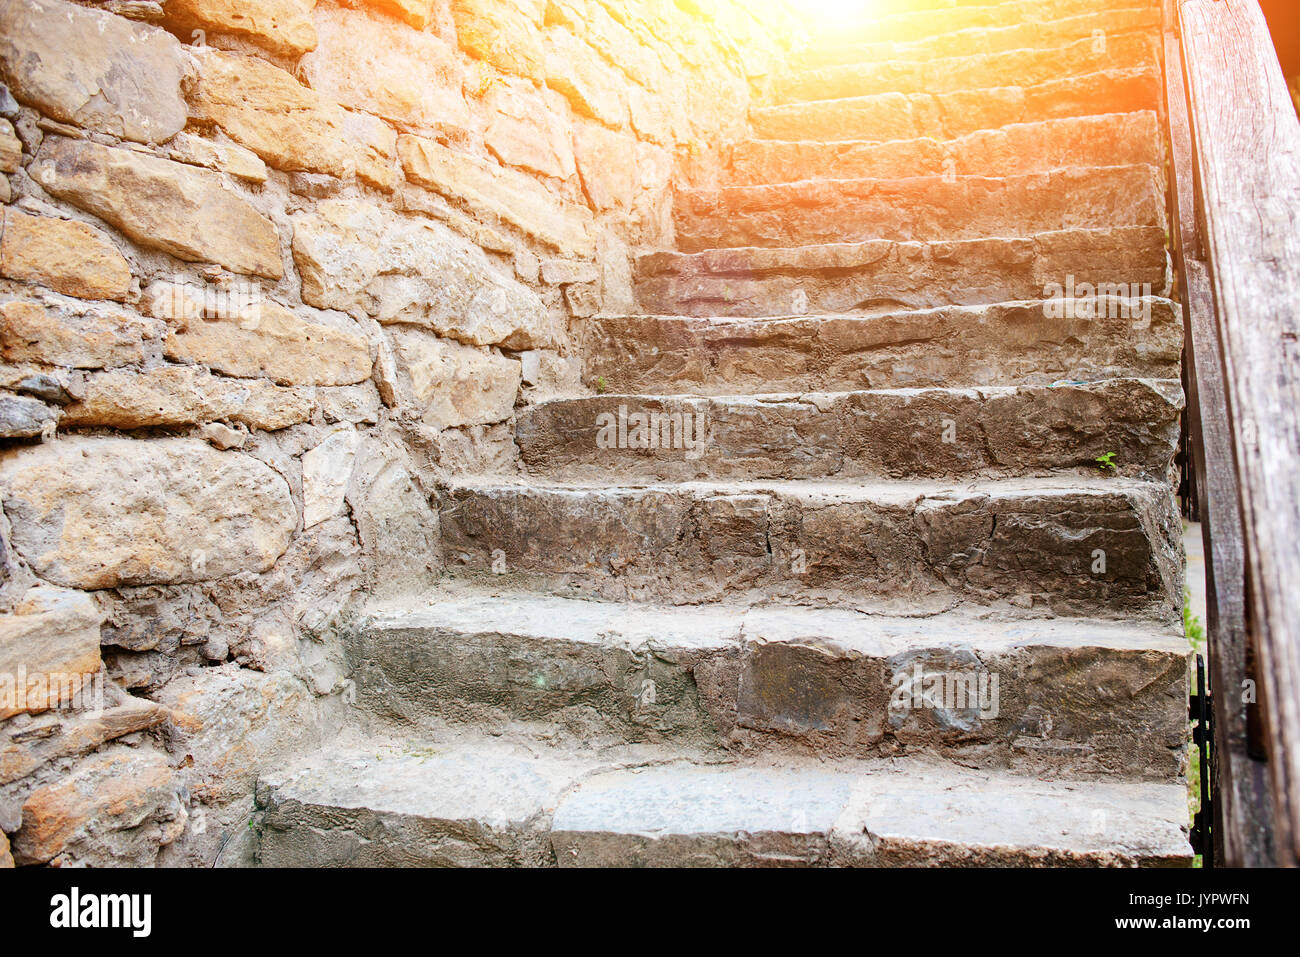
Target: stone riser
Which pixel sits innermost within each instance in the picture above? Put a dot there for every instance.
(889, 434)
(485, 804)
(1124, 139)
(892, 546)
(1127, 51)
(884, 276)
(943, 116)
(972, 41)
(1069, 698)
(921, 209)
(1004, 344)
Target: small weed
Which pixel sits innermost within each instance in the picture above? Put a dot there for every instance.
(1107, 462)
(1192, 626)
(601, 385)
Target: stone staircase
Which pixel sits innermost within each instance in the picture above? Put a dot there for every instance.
(823, 568)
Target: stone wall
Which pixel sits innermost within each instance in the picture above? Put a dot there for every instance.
(269, 271)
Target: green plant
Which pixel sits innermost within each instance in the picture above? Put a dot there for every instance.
(601, 385)
(1192, 626)
(1107, 462)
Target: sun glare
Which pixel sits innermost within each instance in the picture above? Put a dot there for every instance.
(845, 10)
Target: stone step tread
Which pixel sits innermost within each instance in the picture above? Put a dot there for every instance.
(922, 208)
(1032, 543)
(1119, 139)
(1029, 32)
(1064, 696)
(883, 491)
(882, 432)
(898, 116)
(878, 276)
(467, 801)
(1021, 67)
(1008, 343)
(915, 22)
(707, 627)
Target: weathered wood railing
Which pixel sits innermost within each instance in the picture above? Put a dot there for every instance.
(1236, 173)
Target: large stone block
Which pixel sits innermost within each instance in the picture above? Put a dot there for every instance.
(326, 472)
(369, 262)
(374, 146)
(48, 642)
(234, 723)
(455, 384)
(607, 163)
(493, 191)
(387, 69)
(289, 125)
(179, 209)
(107, 713)
(11, 148)
(170, 396)
(67, 333)
(506, 35)
(104, 512)
(116, 809)
(418, 13)
(524, 131)
(593, 87)
(282, 26)
(265, 339)
(397, 526)
(92, 69)
(22, 417)
(71, 258)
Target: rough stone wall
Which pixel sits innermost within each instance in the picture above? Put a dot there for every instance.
(269, 270)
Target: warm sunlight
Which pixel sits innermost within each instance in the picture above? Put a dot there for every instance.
(832, 10)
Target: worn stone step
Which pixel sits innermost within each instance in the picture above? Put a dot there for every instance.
(904, 116)
(901, 433)
(462, 801)
(1117, 139)
(1010, 343)
(1024, 67)
(912, 20)
(919, 208)
(1063, 545)
(883, 275)
(1062, 696)
(906, 816)
(1034, 32)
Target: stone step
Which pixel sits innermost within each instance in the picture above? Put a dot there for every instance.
(918, 20)
(473, 802)
(903, 433)
(1117, 139)
(1025, 34)
(1024, 67)
(899, 116)
(1062, 696)
(883, 275)
(1010, 343)
(920, 208)
(1070, 545)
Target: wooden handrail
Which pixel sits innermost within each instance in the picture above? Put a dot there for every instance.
(1240, 258)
